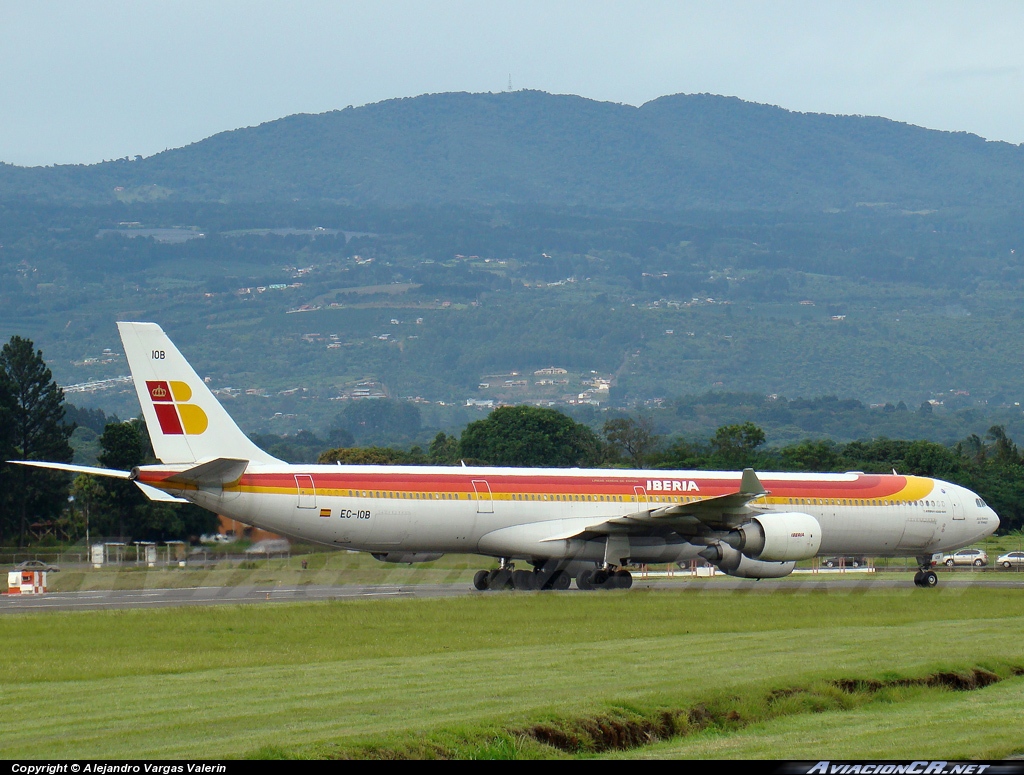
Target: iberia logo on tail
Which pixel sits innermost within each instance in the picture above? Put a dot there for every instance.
(176, 418)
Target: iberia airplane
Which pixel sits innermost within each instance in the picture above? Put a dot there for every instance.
(567, 523)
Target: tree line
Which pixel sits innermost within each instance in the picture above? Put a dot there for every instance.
(34, 426)
(36, 503)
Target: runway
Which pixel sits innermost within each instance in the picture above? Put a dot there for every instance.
(99, 600)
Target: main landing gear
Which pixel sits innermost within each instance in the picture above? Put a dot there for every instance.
(604, 579)
(925, 577)
(505, 576)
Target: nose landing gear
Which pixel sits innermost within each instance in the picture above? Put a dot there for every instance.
(925, 577)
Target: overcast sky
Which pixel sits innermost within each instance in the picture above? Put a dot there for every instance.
(90, 80)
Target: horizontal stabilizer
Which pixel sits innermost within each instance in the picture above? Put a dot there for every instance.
(75, 469)
(158, 495)
(212, 473)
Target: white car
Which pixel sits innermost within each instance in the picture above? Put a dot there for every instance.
(215, 538)
(1011, 559)
(965, 557)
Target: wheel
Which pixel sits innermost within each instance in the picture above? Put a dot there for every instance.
(623, 579)
(561, 580)
(929, 579)
(978, 563)
(523, 580)
(542, 580)
(1006, 565)
(854, 564)
(583, 580)
(480, 579)
(500, 579)
(919, 578)
(950, 563)
(829, 564)
(599, 579)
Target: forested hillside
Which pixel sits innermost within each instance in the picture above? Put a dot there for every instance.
(680, 152)
(455, 252)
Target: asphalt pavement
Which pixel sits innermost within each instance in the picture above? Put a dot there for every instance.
(97, 600)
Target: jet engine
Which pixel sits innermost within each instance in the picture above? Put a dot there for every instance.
(733, 562)
(777, 537)
(407, 557)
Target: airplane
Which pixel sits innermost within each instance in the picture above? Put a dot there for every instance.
(582, 525)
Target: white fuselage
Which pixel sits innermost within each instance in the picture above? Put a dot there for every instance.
(545, 513)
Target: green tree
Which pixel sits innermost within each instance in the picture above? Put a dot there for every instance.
(681, 455)
(8, 451)
(380, 419)
(632, 438)
(733, 446)
(372, 456)
(530, 436)
(811, 455)
(444, 449)
(1004, 448)
(35, 412)
(123, 449)
(88, 492)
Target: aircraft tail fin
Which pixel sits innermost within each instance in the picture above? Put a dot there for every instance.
(185, 420)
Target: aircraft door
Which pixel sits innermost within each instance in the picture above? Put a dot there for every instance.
(484, 499)
(641, 498)
(956, 508)
(306, 491)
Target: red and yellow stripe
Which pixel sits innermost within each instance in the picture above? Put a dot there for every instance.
(858, 489)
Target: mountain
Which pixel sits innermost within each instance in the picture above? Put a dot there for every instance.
(676, 153)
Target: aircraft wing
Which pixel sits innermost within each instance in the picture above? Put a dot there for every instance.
(696, 518)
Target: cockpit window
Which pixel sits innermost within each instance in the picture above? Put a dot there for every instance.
(980, 502)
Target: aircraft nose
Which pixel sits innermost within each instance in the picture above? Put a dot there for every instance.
(994, 520)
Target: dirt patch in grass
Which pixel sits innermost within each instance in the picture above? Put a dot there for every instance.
(966, 681)
(620, 729)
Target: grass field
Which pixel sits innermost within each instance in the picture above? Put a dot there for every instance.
(761, 673)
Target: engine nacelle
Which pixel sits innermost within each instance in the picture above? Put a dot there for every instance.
(778, 537)
(734, 563)
(408, 557)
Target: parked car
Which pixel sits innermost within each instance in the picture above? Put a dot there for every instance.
(36, 565)
(270, 546)
(845, 562)
(965, 557)
(1011, 559)
(215, 538)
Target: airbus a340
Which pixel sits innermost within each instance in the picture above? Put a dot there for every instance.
(568, 524)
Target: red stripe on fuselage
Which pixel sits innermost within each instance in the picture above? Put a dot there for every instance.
(866, 487)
